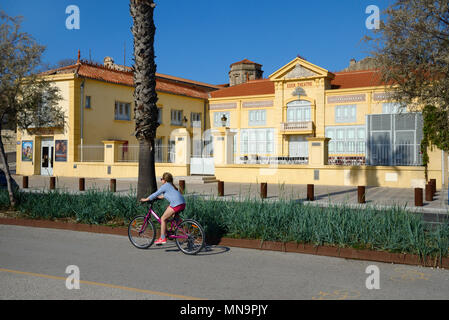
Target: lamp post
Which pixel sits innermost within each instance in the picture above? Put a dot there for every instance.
(224, 120)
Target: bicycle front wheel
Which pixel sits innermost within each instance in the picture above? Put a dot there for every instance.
(141, 234)
(190, 237)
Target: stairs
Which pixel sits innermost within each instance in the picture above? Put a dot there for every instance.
(196, 179)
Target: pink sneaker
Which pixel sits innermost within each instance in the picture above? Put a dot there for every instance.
(161, 241)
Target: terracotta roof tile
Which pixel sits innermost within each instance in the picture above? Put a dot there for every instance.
(164, 83)
(253, 87)
(356, 79)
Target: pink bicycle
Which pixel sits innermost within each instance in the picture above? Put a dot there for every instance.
(188, 234)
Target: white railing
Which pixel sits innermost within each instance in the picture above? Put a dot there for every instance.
(297, 126)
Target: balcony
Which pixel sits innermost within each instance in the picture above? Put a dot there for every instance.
(295, 127)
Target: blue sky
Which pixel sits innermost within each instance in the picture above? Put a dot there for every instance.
(199, 39)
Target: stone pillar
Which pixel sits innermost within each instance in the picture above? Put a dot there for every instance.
(112, 151)
(318, 151)
(182, 146)
(223, 146)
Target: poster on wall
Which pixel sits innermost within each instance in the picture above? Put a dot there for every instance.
(61, 150)
(27, 150)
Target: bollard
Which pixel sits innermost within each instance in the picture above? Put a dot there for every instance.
(433, 183)
(418, 197)
(81, 184)
(310, 192)
(263, 190)
(220, 188)
(429, 195)
(113, 185)
(361, 194)
(25, 182)
(182, 186)
(52, 183)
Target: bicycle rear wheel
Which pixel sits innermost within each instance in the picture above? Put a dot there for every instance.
(190, 237)
(141, 234)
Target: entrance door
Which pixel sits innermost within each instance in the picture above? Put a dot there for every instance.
(298, 147)
(47, 155)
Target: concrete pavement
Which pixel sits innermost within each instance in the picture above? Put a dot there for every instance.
(33, 264)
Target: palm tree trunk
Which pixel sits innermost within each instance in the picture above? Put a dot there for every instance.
(145, 96)
(147, 172)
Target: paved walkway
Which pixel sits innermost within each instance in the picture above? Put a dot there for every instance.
(324, 195)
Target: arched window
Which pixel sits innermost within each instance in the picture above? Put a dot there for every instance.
(299, 110)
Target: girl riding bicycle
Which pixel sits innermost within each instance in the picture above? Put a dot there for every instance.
(174, 197)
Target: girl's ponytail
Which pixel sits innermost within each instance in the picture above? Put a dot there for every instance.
(167, 176)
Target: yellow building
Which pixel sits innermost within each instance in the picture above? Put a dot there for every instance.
(98, 139)
(302, 124)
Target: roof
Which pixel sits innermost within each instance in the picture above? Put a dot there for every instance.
(250, 88)
(164, 83)
(356, 79)
(244, 61)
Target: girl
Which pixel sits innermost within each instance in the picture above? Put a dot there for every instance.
(177, 203)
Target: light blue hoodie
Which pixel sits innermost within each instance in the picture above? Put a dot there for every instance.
(170, 193)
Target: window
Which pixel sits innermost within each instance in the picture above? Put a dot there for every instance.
(257, 117)
(158, 150)
(346, 114)
(87, 105)
(159, 115)
(195, 120)
(171, 151)
(257, 141)
(346, 139)
(388, 108)
(176, 117)
(219, 115)
(298, 110)
(122, 111)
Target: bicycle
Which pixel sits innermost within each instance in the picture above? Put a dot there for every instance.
(188, 234)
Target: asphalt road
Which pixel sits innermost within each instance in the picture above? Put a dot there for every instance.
(33, 264)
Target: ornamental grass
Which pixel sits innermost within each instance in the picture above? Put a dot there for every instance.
(392, 230)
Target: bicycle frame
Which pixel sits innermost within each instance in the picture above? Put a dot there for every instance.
(158, 219)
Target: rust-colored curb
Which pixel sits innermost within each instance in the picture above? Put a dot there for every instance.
(347, 253)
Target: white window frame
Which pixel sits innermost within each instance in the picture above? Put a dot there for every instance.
(257, 141)
(176, 117)
(343, 143)
(257, 117)
(346, 113)
(217, 118)
(299, 111)
(195, 117)
(122, 111)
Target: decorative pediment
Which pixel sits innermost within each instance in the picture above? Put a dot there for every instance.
(300, 69)
(300, 72)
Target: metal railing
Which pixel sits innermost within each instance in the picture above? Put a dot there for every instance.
(256, 159)
(346, 161)
(394, 155)
(130, 153)
(91, 153)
